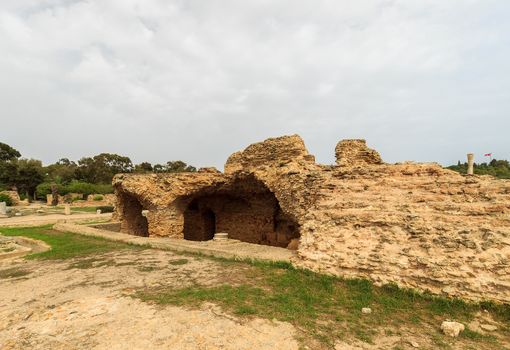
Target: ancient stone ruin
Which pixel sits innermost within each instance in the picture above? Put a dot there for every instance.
(417, 225)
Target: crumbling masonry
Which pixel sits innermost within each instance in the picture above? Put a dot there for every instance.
(417, 225)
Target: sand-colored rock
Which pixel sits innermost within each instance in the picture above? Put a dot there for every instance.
(417, 225)
(13, 195)
(451, 328)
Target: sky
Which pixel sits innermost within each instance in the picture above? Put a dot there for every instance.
(160, 80)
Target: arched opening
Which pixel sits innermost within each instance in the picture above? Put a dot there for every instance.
(245, 209)
(133, 222)
(199, 222)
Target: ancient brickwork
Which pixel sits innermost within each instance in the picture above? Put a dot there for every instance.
(417, 225)
(356, 153)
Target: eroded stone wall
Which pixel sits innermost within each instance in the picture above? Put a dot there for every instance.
(417, 225)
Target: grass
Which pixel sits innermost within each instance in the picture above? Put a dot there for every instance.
(80, 209)
(323, 308)
(178, 262)
(327, 307)
(65, 245)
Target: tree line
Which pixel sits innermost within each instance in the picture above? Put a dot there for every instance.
(88, 175)
(496, 168)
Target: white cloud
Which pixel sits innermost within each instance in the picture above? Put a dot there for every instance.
(197, 80)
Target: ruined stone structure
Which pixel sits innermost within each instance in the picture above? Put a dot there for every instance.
(417, 225)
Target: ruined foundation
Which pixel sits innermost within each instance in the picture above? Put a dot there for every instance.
(417, 225)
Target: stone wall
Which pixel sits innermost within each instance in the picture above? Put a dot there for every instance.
(417, 225)
(13, 195)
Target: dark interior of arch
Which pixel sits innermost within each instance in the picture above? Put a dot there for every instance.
(133, 221)
(245, 209)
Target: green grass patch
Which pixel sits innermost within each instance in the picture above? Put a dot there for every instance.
(66, 245)
(178, 262)
(326, 307)
(80, 209)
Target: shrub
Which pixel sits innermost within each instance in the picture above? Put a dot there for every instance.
(84, 188)
(44, 189)
(98, 197)
(5, 198)
(105, 208)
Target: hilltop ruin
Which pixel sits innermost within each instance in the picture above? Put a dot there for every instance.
(417, 225)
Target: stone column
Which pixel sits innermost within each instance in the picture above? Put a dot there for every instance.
(471, 162)
(3, 209)
(67, 209)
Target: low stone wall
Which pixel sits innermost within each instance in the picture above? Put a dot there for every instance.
(79, 201)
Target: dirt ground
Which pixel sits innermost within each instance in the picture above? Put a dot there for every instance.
(88, 304)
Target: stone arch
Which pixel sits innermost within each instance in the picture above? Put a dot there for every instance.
(130, 210)
(244, 207)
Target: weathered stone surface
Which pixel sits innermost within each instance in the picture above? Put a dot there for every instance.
(274, 152)
(452, 329)
(356, 153)
(417, 225)
(3, 208)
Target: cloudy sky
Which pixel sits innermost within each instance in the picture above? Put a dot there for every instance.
(158, 80)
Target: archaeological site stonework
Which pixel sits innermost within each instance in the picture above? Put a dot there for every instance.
(416, 225)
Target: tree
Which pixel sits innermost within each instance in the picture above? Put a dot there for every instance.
(8, 173)
(62, 172)
(497, 168)
(102, 168)
(30, 174)
(176, 166)
(8, 153)
(144, 167)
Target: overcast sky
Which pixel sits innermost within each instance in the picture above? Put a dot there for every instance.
(162, 80)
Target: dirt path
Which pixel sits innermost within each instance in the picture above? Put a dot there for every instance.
(35, 220)
(89, 304)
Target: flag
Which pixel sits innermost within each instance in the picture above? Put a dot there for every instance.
(488, 154)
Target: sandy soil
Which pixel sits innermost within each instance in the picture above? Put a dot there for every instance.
(35, 220)
(56, 306)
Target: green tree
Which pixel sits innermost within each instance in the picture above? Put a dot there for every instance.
(496, 168)
(144, 167)
(102, 168)
(176, 166)
(62, 172)
(30, 174)
(8, 153)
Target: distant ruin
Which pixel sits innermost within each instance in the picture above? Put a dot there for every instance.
(417, 225)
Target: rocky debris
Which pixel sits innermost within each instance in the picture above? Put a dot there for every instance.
(414, 344)
(489, 327)
(451, 328)
(356, 153)
(417, 225)
(366, 310)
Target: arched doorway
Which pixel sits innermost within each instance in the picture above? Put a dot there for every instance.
(130, 210)
(245, 209)
(199, 222)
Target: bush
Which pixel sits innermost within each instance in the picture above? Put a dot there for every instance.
(44, 189)
(5, 198)
(98, 197)
(88, 188)
(105, 208)
(84, 188)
